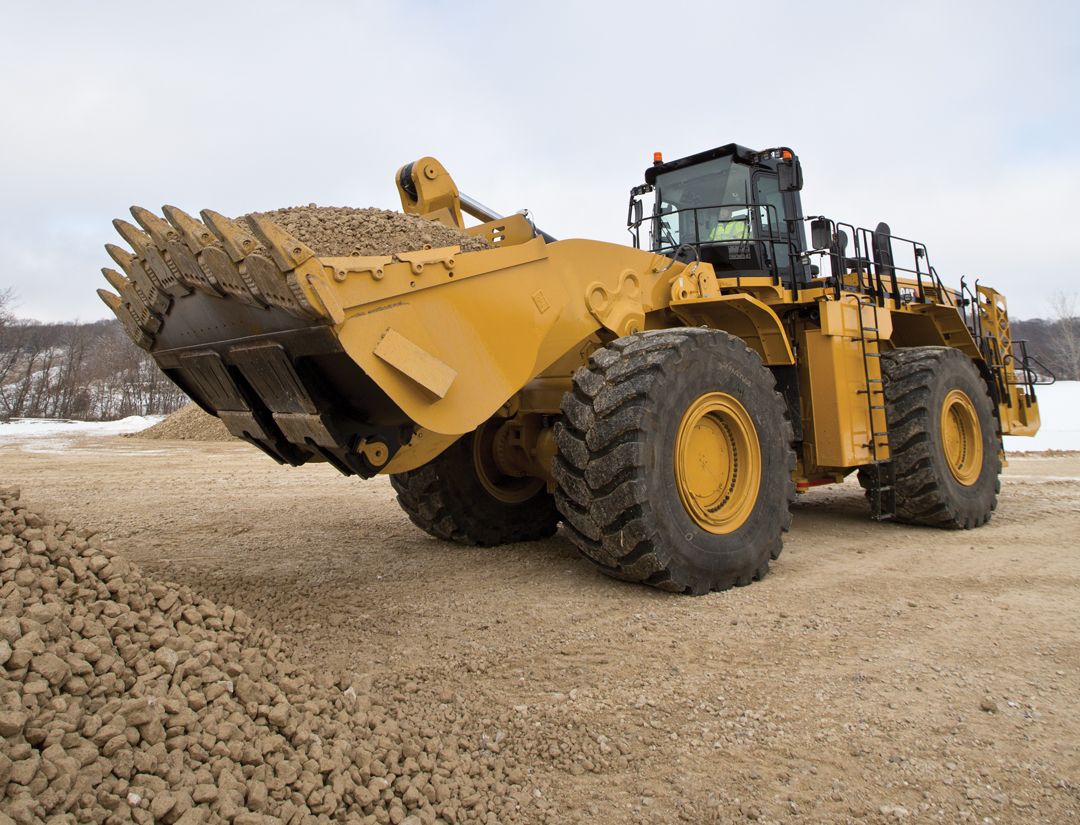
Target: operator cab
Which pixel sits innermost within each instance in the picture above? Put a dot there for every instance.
(732, 207)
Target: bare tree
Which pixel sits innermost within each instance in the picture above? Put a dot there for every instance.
(1065, 344)
(75, 370)
(10, 347)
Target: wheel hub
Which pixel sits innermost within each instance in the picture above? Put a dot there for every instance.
(961, 437)
(495, 475)
(717, 463)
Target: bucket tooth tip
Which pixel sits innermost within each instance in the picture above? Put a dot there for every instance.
(140, 214)
(264, 227)
(217, 222)
(112, 301)
(119, 254)
(288, 252)
(130, 233)
(236, 239)
(175, 213)
(194, 233)
(156, 226)
(115, 279)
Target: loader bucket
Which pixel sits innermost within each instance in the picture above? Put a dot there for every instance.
(374, 363)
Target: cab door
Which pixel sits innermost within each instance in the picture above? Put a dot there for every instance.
(771, 223)
(778, 222)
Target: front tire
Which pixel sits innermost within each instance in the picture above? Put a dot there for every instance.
(460, 496)
(674, 461)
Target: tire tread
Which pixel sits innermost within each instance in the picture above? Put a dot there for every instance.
(921, 497)
(598, 468)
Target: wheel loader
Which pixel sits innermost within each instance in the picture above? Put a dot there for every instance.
(665, 400)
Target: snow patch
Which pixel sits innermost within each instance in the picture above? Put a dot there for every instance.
(23, 429)
(1059, 407)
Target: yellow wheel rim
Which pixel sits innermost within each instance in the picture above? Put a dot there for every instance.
(717, 463)
(509, 489)
(961, 437)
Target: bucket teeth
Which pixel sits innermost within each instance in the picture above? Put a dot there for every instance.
(274, 285)
(236, 241)
(160, 273)
(120, 309)
(135, 237)
(237, 245)
(146, 318)
(194, 233)
(305, 309)
(115, 279)
(153, 251)
(112, 301)
(159, 230)
(138, 270)
(124, 259)
(287, 252)
(175, 251)
(210, 255)
(137, 274)
(231, 278)
(254, 261)
(266, 276)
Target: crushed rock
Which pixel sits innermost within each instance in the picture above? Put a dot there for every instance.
(333, 231)
(189, 423)
(128, 699)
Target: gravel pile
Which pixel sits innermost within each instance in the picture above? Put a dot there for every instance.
(339, 230)
(189, 423)
(127, 699)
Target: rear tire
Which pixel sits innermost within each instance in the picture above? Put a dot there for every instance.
(450, 499)
(944, 438)
(674, 461)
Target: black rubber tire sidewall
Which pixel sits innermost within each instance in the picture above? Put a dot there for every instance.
(447, 499)
(927, 491)
(706, 555)
(970, 502)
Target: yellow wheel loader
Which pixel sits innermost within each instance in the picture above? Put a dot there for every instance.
(665, 400)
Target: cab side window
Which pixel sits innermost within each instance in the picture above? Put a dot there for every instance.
(772, 221)
(771, 213)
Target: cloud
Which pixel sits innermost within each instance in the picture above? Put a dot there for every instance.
(952, 122)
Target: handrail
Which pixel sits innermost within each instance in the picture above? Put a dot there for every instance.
(878, 277)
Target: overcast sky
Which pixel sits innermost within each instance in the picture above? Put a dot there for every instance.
(955, 122)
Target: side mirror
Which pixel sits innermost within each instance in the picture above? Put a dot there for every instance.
(820, 233)
(634, 209)
(789, 176)
(634, 213)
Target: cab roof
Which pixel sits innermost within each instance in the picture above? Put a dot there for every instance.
(740, 153)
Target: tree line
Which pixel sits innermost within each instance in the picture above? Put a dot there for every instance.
(92, 371)
(89, 371)
(1055, 342)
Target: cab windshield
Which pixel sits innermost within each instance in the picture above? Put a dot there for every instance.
(701, 203)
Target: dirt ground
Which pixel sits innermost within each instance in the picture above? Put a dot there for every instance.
(879, 674)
